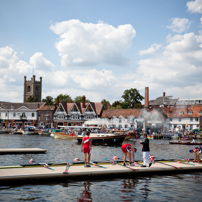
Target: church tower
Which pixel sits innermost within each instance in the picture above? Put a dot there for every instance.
(32, 88)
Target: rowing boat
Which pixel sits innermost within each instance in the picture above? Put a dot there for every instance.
(185, 143)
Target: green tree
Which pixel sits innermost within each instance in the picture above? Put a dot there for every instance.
(80, 99)
(117, 105)
(63, 98)
(131, 98)
(105, 103)
(31, 99)
(48, 100)
(138, 106)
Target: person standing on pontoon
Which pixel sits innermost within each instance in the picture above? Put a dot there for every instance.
(145, 150)
(86, 147)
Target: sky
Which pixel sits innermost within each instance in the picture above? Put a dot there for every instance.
(101, 48)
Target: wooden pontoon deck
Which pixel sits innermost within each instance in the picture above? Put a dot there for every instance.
(38, 174)
(22, 151)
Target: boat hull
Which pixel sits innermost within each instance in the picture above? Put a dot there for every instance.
(30, 133)
(63, 136)
(186, 143)
(106, 140)
(44, 133)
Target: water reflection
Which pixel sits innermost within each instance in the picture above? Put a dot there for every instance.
(145, 190)
(86, 194)
(128, 189)
(197, 178)
(131, 188)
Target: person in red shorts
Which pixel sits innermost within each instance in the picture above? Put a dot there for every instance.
(86, 147)
(127, 149)
(199, 150)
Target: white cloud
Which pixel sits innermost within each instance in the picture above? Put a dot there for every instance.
(10, 63)
(179, 25)
(179, 67)
(12, 70)
(37, 61)
(150, 50)
(90, 44)
(195, 6)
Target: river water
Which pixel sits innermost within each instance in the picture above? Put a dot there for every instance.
(178, 187)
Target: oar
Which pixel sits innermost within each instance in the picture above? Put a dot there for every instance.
(133, 169)
(45, 165)
(97, 165)
(168, 165)
(115, 162)
(185, 160)
(163, 163)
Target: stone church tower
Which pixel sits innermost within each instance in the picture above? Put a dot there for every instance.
(32, 88)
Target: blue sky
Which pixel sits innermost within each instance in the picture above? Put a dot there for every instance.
(101, 48)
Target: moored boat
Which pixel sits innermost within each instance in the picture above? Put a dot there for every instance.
(59, 134)
(104, 138)
(64, 136)
(5, 131)
(44, 132)
(18, 132)
(98, 135)
(185, 143)
(30, 131)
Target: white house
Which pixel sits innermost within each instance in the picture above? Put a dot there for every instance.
(19, 114)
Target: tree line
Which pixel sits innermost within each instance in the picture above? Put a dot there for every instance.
(131, 100)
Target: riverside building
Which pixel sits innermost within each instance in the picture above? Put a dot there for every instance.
(19, 114)
(72, 114)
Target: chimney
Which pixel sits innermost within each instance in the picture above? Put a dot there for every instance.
(102, 102)
(84, 101)
(164, 94)
(38, 105)
(146, 101)
(58, 100)
(108, 106)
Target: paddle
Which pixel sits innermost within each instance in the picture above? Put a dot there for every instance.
(97, 165)
(45, 165)
(185, 160)
(152, 160)
(115, 162)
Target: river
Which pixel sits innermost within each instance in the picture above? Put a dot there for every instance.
(178, 187)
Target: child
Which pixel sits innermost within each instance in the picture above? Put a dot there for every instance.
(86, 147)
(126, 149)
(196, 157)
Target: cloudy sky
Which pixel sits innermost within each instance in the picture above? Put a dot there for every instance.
(101, 48)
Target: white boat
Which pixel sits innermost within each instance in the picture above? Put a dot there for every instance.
(17, 131)
(30, 131)
(44, 132)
